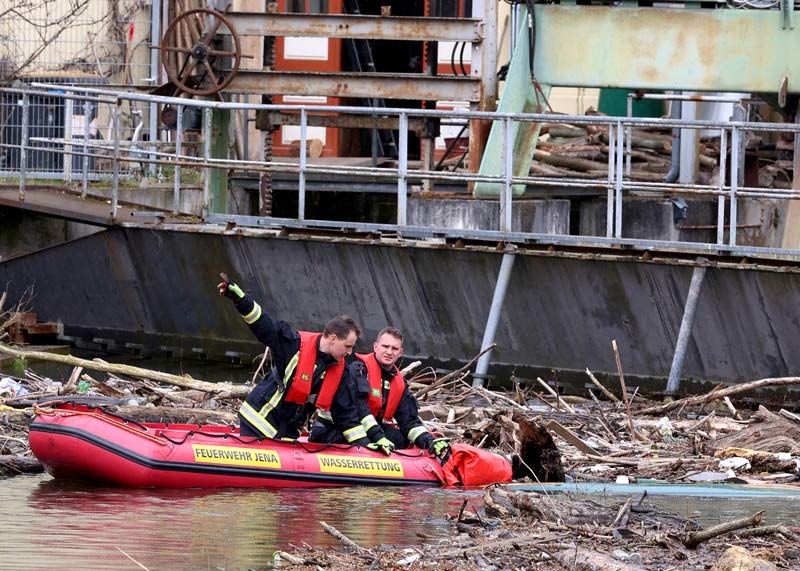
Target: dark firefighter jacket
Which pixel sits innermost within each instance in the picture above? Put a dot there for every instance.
(266, 413)
(406, 416)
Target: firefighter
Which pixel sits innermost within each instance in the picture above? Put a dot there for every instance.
(383, 395)
(306, 374)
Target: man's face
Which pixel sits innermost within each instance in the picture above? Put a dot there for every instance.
(388, 349)
(338, 347)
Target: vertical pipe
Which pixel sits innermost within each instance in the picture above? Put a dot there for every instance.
(155, 74)
(734, 183)
(687, 322)
(496, 309)
(609, 190)
(508, 171)
(115, 181)
(618, 185)
(514, 28)
(178, 151)
(629, 134)
(206, 157)
(87, 113)
(23, 147)
(402, 172)
(301, 187)
(723, 159)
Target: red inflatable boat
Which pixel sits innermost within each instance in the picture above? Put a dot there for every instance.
(78, 441)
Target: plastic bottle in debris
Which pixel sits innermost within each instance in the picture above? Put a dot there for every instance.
(83, 387)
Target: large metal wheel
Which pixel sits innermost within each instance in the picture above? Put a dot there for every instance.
(189, 52)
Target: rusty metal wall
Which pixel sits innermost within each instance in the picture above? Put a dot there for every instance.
(157, 288)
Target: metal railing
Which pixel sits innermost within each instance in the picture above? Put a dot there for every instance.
(614, 183)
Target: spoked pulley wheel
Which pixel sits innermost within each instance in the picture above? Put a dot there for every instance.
(194, 49)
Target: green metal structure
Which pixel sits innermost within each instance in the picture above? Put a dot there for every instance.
(648, 48)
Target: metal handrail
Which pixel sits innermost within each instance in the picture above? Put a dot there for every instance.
(615, 183)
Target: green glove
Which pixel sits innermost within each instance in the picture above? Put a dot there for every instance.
(383, 444)
(229, 289)
(440, 447)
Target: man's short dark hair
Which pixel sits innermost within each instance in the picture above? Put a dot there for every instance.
(341, 326)
(393, 331)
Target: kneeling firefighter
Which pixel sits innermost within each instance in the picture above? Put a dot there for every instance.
(306, 374)
(383, 395)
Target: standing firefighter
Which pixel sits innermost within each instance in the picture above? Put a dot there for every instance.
(383, 395)
(307, 374)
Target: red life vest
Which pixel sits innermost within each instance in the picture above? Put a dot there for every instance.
(397, 387)
(304, 373)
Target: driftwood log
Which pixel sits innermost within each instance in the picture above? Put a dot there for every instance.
(220, 390)
(13, 464)
(695, 538)
(720, 394)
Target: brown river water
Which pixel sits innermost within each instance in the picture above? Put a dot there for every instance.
(49, 524)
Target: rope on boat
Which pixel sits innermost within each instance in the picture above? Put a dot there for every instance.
(124, 425)
(163, 440)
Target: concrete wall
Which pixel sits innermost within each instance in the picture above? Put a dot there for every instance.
(24, 232)
(158, 288)
(648, 219)
(542, 216)
(162, 197)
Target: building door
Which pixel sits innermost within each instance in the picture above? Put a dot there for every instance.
(307, 54)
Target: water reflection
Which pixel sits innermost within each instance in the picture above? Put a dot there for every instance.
(76, 525)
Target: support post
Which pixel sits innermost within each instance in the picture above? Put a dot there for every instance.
(87, 112)
(207, 119)
(723, 160)
(506, 220)
(496, 309)
(301, 180)
(687, 322)
(735, 136)
(23, 147)
(483, 66)
(618, 183)
(178, 150)
(629, 135)
(219, 150)
(612, 173)
(69, 112)
(155, 76)
(690, 144)
(402, 168)
(115, 181)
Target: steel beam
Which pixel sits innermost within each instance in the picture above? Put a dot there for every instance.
(665, 48)
(363, 85)
(267, 120)
(519, 96)
(414, 29)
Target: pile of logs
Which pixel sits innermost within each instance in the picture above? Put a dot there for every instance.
(582, 152)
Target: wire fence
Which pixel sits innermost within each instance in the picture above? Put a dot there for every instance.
(53, 127)
(65, 40)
